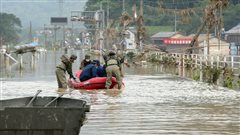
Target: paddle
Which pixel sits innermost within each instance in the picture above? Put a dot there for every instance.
(53, 100)
(35, 96)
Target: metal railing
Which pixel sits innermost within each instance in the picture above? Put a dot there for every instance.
(199, 60)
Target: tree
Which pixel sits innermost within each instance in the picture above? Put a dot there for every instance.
(231, 16)
(10, 27)
(161, 12)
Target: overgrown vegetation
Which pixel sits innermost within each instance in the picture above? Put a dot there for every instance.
(238, 83)
(161, 13)
(153, 59)
(10, 27)
(228, 78)
(211, 74)
(196, 74)
(130, 56)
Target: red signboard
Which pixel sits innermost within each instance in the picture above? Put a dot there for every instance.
(177, 41)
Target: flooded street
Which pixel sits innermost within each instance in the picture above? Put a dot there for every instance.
(152, 103)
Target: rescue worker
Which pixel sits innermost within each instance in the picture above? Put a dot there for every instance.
(90, 71)
(66, 65)
(85, 62)
(112, 68)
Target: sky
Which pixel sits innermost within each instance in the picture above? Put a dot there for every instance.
(39, 12)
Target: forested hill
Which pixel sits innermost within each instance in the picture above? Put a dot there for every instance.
(161, 12)
(40, 11)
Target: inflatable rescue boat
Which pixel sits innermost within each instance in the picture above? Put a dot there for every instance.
(91, 84)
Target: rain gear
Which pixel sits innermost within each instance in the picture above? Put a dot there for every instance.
(65, 65)
(90, 71)
(112, 69)
(85, 62)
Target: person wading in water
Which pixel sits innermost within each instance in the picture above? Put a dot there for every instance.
(65, 65)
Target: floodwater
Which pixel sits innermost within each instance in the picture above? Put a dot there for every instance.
(152, 102)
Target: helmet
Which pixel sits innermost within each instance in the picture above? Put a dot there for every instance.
(73, 57)
(87, 56)
(64, 58)
(111, 53)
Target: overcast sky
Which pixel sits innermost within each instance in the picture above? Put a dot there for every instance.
(39, 12)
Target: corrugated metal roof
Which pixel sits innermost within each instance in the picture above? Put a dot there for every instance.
(234, 30)
(163, 34)
(201, 37)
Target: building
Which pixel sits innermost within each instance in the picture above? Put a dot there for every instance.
(160, 36)
(130, 40)
(216, 46)
(233, 37)
(173, 42)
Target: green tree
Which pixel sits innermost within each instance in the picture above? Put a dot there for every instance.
(10, 27)
(231, 16)
(161, 12)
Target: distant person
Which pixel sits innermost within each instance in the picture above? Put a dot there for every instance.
(66, 65)
(85, 62)
(112, 68)
(90, 71)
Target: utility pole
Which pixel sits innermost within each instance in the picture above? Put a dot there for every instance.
(102, 24)
(45, 36)
(55, 37)
(123, 6)
(108, 26)
(60, 7)
(208, 45)
(64, 45)
(1, 41)
(72, 35)
(30, 37)
(220, 26)
(141, 15)
(175, 16)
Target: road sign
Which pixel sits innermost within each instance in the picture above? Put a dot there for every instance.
(59, 20)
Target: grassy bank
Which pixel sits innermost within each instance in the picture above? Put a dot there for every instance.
(151, 30)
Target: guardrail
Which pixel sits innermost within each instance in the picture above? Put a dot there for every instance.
(199, 60)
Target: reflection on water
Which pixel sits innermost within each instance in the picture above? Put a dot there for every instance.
(152, 102)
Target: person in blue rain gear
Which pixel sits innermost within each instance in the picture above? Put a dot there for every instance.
(90, 71)
(101, 71)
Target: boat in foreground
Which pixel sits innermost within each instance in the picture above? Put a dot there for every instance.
(42, 116)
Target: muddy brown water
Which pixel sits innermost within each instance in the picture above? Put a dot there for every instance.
(152, 102)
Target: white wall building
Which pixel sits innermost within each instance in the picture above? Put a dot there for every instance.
(130, 40)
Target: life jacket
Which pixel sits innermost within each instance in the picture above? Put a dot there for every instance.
(112, 61)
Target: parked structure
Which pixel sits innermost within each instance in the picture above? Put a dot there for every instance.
(233, 37)
(160, 36)
(216, 46)
(130, 40)
(172, 41)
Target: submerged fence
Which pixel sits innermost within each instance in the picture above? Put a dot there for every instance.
(199, 60)
(217, 69)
